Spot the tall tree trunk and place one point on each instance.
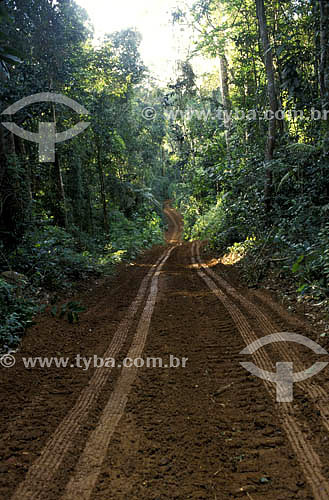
(89, 182)
(268, 60)
(58, 178)
(12, 206)
(324, 67)
(57, 198)
(317, 50)
(102, 190)
(2, 156)
(226, 101)
(26, 196)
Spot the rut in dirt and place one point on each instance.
(210, 430)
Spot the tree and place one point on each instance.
(226, 99)
(269, 66)
(324, 66)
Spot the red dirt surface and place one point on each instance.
(210, 430)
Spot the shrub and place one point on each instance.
(16, 314)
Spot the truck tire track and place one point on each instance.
(44, 468)
(89, 466)
(307, 457)
(316, 393)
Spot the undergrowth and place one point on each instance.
(54, 260)
(292, 242)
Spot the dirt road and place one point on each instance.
(209, 430)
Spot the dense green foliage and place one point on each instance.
(16, 314)
(270, 206)
(100, 201)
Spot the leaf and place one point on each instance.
(279, 50)
(71, 305)
(296, 265)
(4, 72)
(284, 178)
(264, 480)
(79, 309)
(42, 308)
(72, 317)
(53, 311)
(10, 58)
(4, 16)
(302, 289)
(63, 312)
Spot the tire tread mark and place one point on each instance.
(306, 455)
(43, 470)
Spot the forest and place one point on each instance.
(242, 151)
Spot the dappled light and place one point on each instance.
(164, 249)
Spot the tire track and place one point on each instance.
(176, 236)
(43, 470)
(213, 426)
(89, 466)
(315, 392)
(307, 457)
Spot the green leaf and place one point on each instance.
(10, 58)
(297, 264)
(303, 288)
(53, 311)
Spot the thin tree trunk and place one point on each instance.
(58, 199)
(102, 191)
(26, 194)
(317, 49)
(60, 184)
(268, 60)
(324, 67)
(256, 82)
(226, 101)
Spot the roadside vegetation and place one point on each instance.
(255, 187)
(99, 203)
